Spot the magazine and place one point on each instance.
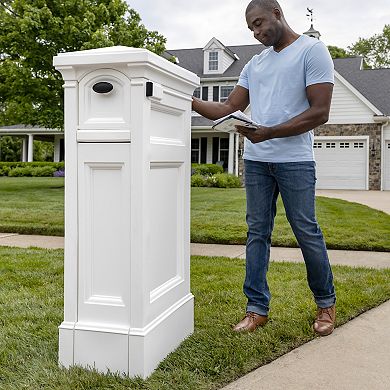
(229, 122)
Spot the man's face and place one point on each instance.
(266, 25)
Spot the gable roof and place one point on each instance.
(373, 84)
(192, 59)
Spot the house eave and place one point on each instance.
(213, 79)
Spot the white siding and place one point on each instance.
(347, 108)
(227, 60)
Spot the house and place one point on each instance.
(352, 149)
(29, 133)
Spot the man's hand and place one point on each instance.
(255, 134)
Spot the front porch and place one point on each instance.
(29, 133)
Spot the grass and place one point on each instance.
(218, 216)
(35, 206)
(32, 205)
(31, 285)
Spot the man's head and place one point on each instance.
(265, 18)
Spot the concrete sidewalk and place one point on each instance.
(355, 357)
(340, 257)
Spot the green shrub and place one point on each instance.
(4, 171)
(36, 168)
(226, 180)
(198, 181)
(43, 171)
(220, 180)
(206, 169)
(20, 171)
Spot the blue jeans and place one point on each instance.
(296, 183)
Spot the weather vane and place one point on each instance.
(310, 14)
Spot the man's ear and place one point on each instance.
(277, 13)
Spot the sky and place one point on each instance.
(192, 23)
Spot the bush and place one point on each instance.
(226, 180)
(4, 171)
(198, 181)
(20, 171)
(59, 173)
(206, 169)
(36, 168)
(220, 180)
(43, 171)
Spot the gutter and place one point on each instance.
(381, 119)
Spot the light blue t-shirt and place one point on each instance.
(277, 91)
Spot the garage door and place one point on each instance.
(386, 178)
(341, 163)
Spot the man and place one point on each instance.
(289, 87)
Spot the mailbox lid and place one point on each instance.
(115, 55)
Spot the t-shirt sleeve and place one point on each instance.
(243, 79)
(319, 65)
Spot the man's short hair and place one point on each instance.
(268, 5)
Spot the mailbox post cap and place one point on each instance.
(114, 55)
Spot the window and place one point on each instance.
(317, 145)
(358, 145)
(213, 60)
(195, 150)
(197, 93)
(225, 92)
(224, 151)
(344, 145)
(330, 145)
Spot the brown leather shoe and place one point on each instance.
(324, 323)
(250, 322)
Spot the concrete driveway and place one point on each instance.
(379, 200)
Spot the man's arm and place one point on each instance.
(319, 97)
(237, 100)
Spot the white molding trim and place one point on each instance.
(341, 137)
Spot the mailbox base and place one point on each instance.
(132, 352)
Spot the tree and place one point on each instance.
(375, 50)
(337, 52)
(10, 148)
(33, 31)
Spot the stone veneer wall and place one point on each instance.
(374, 145)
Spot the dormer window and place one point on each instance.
(213, 60)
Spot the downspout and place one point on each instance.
(384, 120)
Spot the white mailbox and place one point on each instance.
(127, 300)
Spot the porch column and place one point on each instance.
(30, 152)
(24, 149)
(231, 152)
(236, 139)
(56, 148)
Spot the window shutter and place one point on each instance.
(205, 93)
(216, 93)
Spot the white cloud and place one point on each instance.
(188, 24)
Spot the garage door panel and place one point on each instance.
(341, 164)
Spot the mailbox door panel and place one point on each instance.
(104, 101)
(104, 224)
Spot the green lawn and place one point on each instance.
(218, 216)
(35, 206)
(31, 301)
(32, 205)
